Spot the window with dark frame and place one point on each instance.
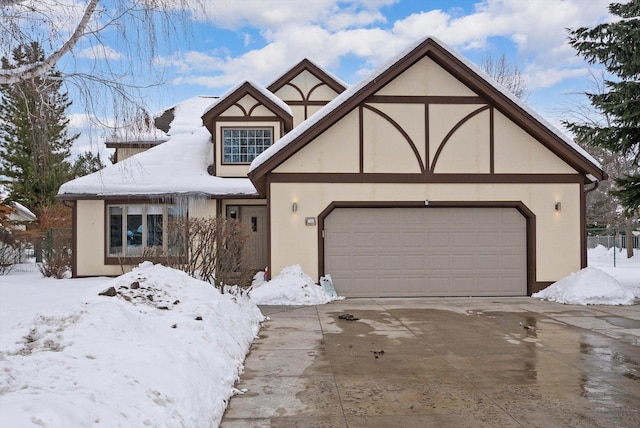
(243, 145)
(132, 228)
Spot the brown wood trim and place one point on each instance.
(425, 99)
(316, 86)
(306, 103)
(361, 137)
(220, 148)
(309, 66)
(452, 131)
(269, 261)
(430, 48)
(298, 90)
(74, 239)
(248, 119)
(492, 162)
(583, 228)
(399, 129)
(529, 216)
(293, 177)
(514, 112)
(242, 109)
(210, 117)
(427, 161)
(540, 285)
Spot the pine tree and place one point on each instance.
(34, 143)
(615, 45)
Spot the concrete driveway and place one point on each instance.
(494, 362)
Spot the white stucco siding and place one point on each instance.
(90, 240)
(91, 233)
(558, 233)
(335, 150)
(426, 78)
(518, 152)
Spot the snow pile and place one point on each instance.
(602, 256)
(290, 287)
(163, 350)
(590, 286)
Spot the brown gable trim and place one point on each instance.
(459, 70)
(420, 99)
(400, 130)
(452, 131)
(292, 177)
(514, 112)
(246, 88)
(307, 65)
(307, 103)
(530, 218)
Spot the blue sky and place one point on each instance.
(236, 40)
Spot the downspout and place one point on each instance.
(596, 184)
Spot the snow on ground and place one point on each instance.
(601, 283)
(290, 287)
(165, 351)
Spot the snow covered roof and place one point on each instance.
(259, 88)
(185, 116)
(365, 87)
(17, 211)
(177, 167)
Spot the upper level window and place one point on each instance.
(242, 145)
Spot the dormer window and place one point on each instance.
(243, 145)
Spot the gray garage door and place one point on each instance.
(426, 251)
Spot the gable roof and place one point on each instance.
(263, 96)
(324, 76)
(458, 67)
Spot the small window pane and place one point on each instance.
(134, 230)
(245, 145)
(154, 225)
(115, 231)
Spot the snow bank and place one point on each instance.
(601, 256)
(164, 351)
(290, 287)
(590, 286)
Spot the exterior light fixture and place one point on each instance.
(558, 206)
(294, 207)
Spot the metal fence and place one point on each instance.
(610, 238)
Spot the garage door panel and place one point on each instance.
(426, 251)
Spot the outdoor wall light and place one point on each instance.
(558, 206)
(294, 207)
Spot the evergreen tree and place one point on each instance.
(34, 144)
(86, 163)
(615, 45)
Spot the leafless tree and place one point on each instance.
(603, 209)
(506, 73)
(121, 37)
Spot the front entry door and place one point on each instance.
(255, 219)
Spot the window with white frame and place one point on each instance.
(133, 229)
(243, 145)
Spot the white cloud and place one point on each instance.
(329, 31)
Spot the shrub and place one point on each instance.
(212, 249)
